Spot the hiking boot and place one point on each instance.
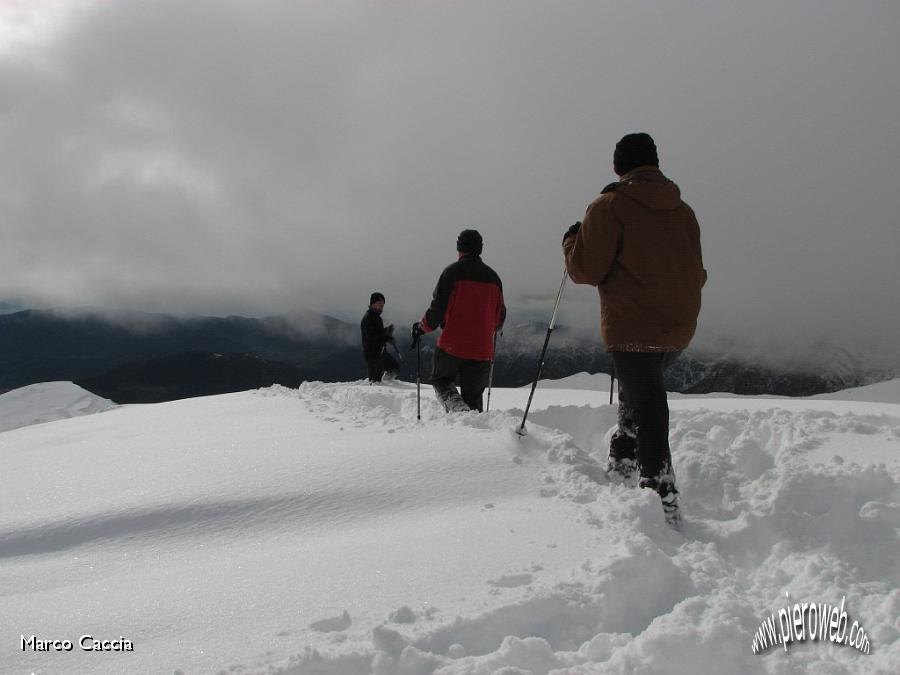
(622, 470)
(668, 494)
(449, 397)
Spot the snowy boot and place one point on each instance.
(449, 397)
(622, 470)
(665, 487)
(622, 465)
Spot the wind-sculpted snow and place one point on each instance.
(46, 402)
(326, 530)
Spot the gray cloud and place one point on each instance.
(233, 157)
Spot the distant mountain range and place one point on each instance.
(7, 307)
(136, 357)
(723, 368)
(190, 374)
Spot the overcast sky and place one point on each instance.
(257, 157)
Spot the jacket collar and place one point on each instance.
(646, 173)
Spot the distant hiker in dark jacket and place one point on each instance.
(640, 245)
(374, 338)
(467, 305)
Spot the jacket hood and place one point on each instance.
(649, 187)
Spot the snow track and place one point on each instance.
(340, 535)
(762, 519)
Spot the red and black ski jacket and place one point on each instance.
(468, 306)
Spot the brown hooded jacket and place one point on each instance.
(640, 245)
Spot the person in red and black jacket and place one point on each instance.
(468, 306)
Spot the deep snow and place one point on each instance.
(325, 530)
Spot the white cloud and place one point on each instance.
(260, 157)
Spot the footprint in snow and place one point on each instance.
(334, 624)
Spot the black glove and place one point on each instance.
(417, 333)
(572, 231)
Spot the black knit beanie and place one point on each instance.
(375, 297)
(632, 151)
(469, 241)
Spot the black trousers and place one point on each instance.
(375, 366)
(472, 375)
(643, 432)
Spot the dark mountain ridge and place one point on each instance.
(133, 357)
(41, 346)
(188, 375)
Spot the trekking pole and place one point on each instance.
(612, 380)
(491, 374)
(418, 379)
(540, 366)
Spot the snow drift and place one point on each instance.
(47, 401)
(325, 530)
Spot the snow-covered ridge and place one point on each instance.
(46, 402)
(326, 530)
(881, 392)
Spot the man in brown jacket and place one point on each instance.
(640, 245)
